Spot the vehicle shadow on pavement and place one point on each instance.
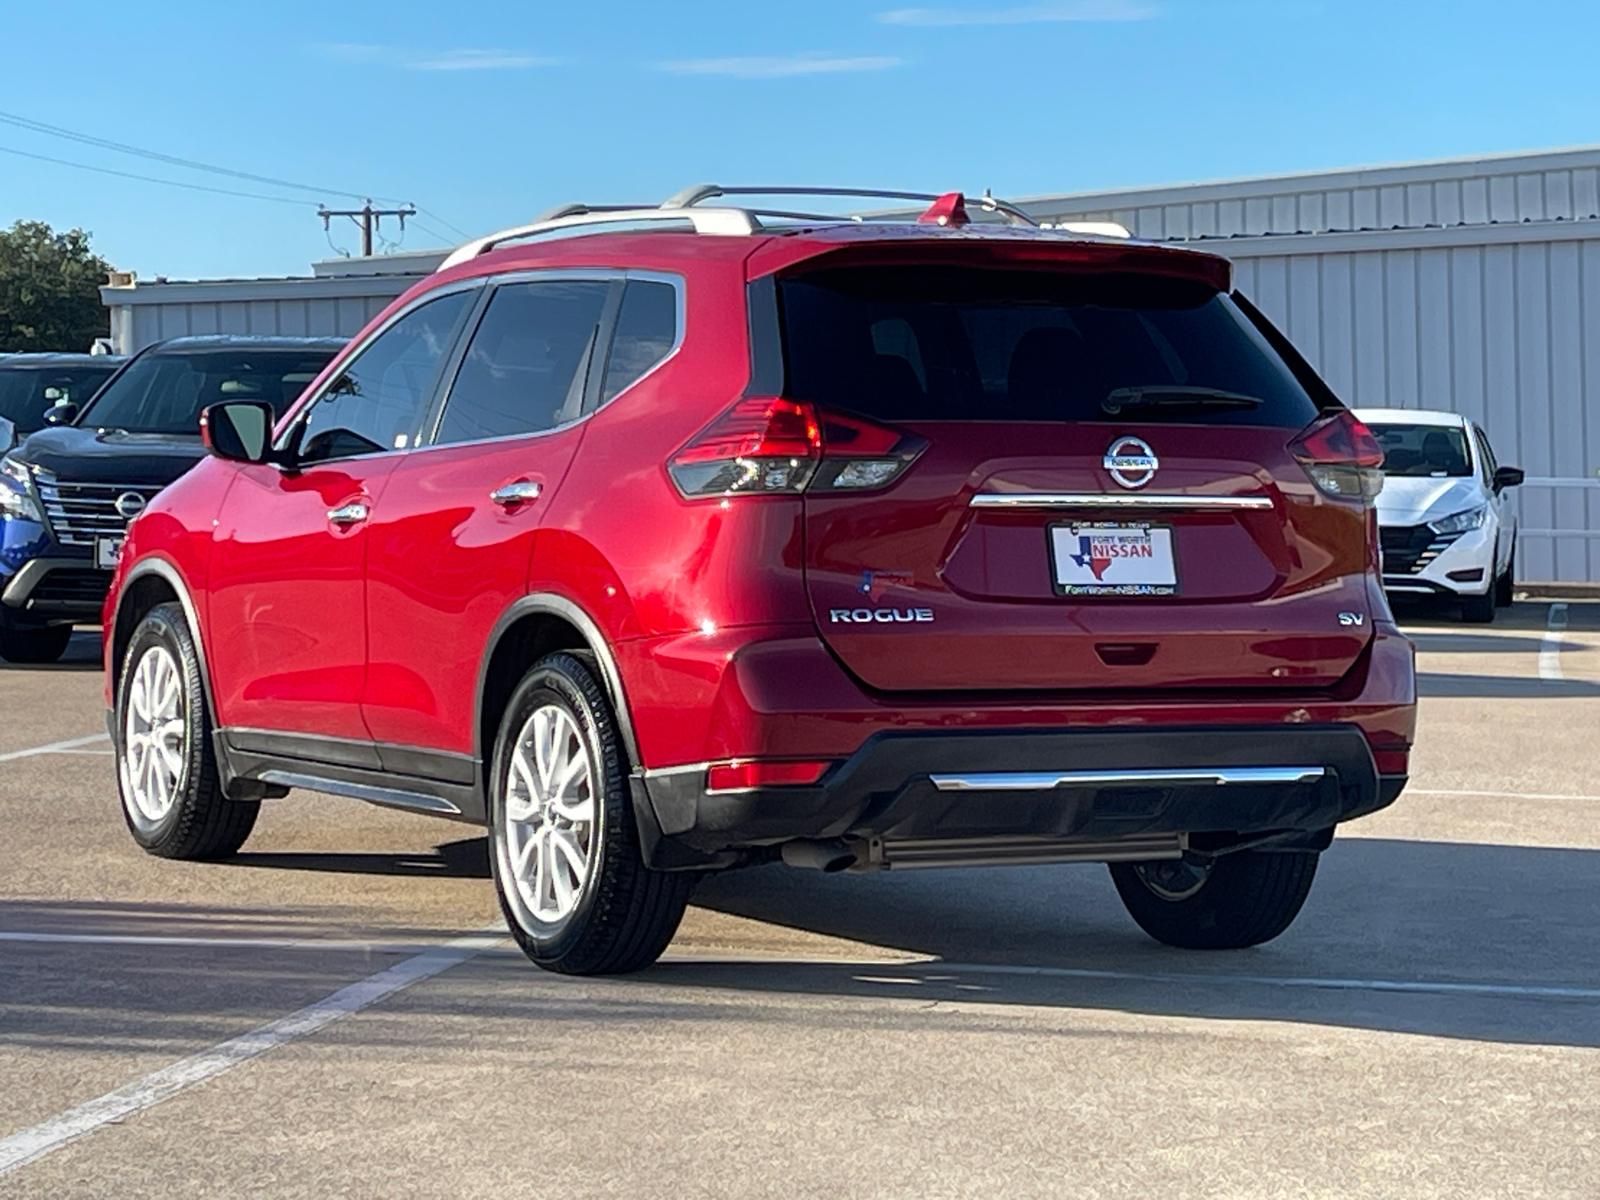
(83, 654)
(465, 859)
(1497, 929)
(1432, 683)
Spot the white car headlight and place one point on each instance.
(1462, 522)
(16, 492)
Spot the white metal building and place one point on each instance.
(338, 298)
(1469, 285)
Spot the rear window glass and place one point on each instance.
(968, 344)
(1424, 450)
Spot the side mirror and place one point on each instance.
(238, 430)
(1505, 477)
(61, 414)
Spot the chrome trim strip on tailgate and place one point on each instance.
(1037, 781)
(1101, 500)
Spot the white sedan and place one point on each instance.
(1445, 521)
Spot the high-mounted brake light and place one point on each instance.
(1342, 457)
(774, 446)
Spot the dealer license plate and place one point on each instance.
(106, 552)
(1112, 559)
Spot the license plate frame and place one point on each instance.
(107, 550)
(1147, 565)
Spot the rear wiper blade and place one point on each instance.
(1175, 396)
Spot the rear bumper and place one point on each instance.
(906, 793)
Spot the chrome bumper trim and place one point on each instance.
(1106, 500)
(1041, 781)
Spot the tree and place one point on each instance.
(50, 289)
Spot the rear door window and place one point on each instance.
(968, 344)
(1424, 450)
(527, 366)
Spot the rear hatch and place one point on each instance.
(1107, 494)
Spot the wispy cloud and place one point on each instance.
(1027, 14)
(433, 60)
(780, 66)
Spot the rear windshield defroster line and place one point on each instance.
(932, 343)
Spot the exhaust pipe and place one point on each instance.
(829, 856)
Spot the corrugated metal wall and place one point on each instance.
(342, 317)
(1471, 287)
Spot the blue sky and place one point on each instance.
(486, 113)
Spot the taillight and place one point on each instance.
(772, 446)
(1342, 457)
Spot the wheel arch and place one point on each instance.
(532, 627)
(151, 582)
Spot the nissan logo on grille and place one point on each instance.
(1131, 462)
(130, 505)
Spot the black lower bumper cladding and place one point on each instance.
(896, 788)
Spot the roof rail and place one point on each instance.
(723, 222)
(726, 221)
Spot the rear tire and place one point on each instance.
(564, 843)
(1241, 900)
(1478, 610)
(45, 645)
(172, 796)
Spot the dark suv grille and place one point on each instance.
(71, 586)
(1407, 549)
(81, 512)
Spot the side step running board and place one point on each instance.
(388, 797)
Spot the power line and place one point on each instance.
(368, 219)
(156, 156)
(193, 187)
(428, 212)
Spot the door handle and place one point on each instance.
(522, 491)
(349, 514)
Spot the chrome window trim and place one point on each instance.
(568, 275)
(1108, 500)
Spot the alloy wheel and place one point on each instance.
(155, 735)
(549, 831)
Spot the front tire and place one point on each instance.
(573, 885)
(1230, 902)
(33, 646)
(1505, 584)
(172, 796)
(1478, 610)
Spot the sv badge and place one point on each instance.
(1352, 619)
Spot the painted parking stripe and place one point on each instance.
(1411, 791)
(1550, 646)
(55, 747)
(1188, 978)
(46, 938)
(31, 1144)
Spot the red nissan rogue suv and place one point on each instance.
(667, 540)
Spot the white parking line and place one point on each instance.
(1550, 647)
(56, 747)
(1411, 791)
(212, 943)
(22, 1148)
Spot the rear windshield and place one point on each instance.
(26, 392)
(973, 344)
(1424, 450)
(164, 392)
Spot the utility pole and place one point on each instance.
(368, 218)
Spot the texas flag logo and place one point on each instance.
(1086, 556)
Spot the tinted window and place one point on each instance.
(1486, 460)
(647, 327)
(22, 391)
(378, 401)
(1424, 450)
(940, 343)
(528, 361)
(163, 390)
